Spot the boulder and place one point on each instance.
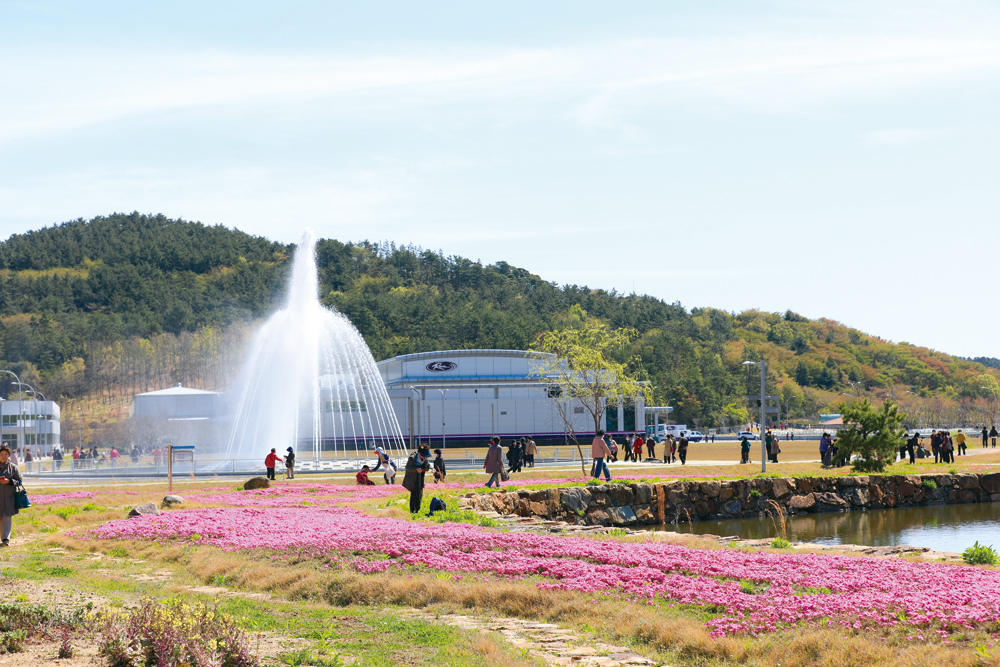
(622, 494)
(966, 496)
(576, 499)
(256, 483)
(643, 493)
(171, 500)
(779, 488)
(802, 502)
(858, 496)
(725, 494)
(644, 513)
(597, 516)
(968, 482)
(990, 483)
(733, 506)
(622, 516)
(907, 489)
(711, 489)
(832, 500)
(705, 507)
(146, 509)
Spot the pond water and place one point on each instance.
(939, 527)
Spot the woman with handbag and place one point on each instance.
(10, 479)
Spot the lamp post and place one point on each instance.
(763, 402)
(444, 436)
(34, 401)
(853, 388)
(19, 422)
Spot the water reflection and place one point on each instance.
(940, 527)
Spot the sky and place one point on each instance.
(836, 159)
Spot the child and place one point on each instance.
(439, 467)
(362, 477)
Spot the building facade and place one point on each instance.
(463, 397)
(32, 424)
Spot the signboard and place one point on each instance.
(441, 366)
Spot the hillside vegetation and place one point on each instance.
(101, 309)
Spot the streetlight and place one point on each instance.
(19, 422)
(853, 388)
(444, 440)
(763, 402)
(34, 402)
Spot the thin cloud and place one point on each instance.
(899, 137)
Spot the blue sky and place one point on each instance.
(838, 159)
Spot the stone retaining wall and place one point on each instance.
(680, 501)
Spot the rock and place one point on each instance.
(711, 489)
(576, 499)
(146, 509)
(622, 494)
(779, 488)
(990, 483)
(802, 502)
(256, 483)
(725, 494)
(907, 489)
(645, 514)
(968, 482)
(643, 493)
(704, 507)
(858, 496)
(538, 509)
(676, 497)
(171, 500)
(622, 515)
(597, 516)
(832, 500)
(845, 481)
(733, 506)
(966, 496)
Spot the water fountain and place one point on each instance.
(310, 381)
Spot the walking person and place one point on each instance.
(493, 464)
(744, 450)
(269, 463)
(960, 441)
(767, 442)
(440, 470)
(911, 447)
(936, 445)
(514, 457)
(10, 477)
(599, 451)
(637, 448)
(986, 435)
(612, 447)
(290, 464)
(824, 450)
(417, 463)
(627, 448)
(993, 436)
(530, 449)
(651, 447)
(949, 448)
(28, 459)
(682, 449)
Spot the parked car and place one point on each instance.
(694, 436)
(749, 435)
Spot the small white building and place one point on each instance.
(33, 424)
(177, 402)
(467, 396)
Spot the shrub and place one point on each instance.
(173, 634)
(755, 494)
(980, 555)
(929, 484)
(780, 543)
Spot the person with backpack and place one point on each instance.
(493, 465)
(599, 451)
(417, 464)
(439, 467)
(269, 463)
(682, 449)
(290, 464)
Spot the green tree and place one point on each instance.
(872, 433)
(586, 370)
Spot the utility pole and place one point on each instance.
(763, 412)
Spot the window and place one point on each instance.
(577, 411)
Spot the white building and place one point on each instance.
(183, 415)
(30, 423)
(467, 396)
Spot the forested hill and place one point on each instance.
(128, 303)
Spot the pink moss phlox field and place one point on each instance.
(805, 589)
(52, 498)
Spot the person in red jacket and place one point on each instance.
(269, 462)
(637, 448)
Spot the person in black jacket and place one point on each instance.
(290, 464)
(439, 468)
(417, 463)
(993, 435)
